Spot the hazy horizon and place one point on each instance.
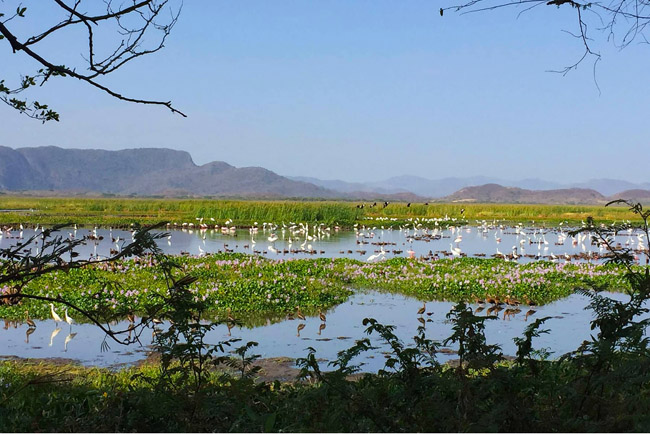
(368, 181)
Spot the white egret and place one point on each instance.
(55, 316)
(67, 317)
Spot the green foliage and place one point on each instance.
(469, 334)
(259, 286)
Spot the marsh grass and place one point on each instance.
(124, 211)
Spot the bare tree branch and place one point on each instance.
(628, 18)
(134, 23)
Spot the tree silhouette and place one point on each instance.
(621, 22)
(113, 35)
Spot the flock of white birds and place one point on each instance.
(509, 242)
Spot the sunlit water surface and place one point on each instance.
(569, 326)
(527, 244)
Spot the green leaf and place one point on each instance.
(269, 422)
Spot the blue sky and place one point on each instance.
(361, 90)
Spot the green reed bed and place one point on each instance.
(120, 212)
(252, 284)
(124, 211)
(527, 213)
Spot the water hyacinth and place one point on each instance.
(252, 284)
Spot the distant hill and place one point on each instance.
(165, 172)
(635, 195)
(150, 171)
(500, 194)
(439, 188)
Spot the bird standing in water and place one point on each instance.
(299, 313)
(55, 316)
(30, 323)
(68, 319)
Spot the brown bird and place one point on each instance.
(300, 327)
(511, 301)
(29, 321)
(230, 317)
(322, 316)
(529, 302)
(422, 309)
(299, 314)
(321, 327)
(509, 313)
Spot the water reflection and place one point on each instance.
(68, 339)
(53, 335)
(569, 326)
(29, 331)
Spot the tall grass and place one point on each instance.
(123, 211)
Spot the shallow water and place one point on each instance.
(569, 325)
(528, 244)
(568, 328)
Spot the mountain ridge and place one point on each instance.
(168, 172)
(495, 193)
(442, 187)
(141, 171)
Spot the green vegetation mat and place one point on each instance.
(255, 285)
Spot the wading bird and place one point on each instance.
(31, 324)
(230, 317)
(55, 316)
(299, 313)
(68, 319)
